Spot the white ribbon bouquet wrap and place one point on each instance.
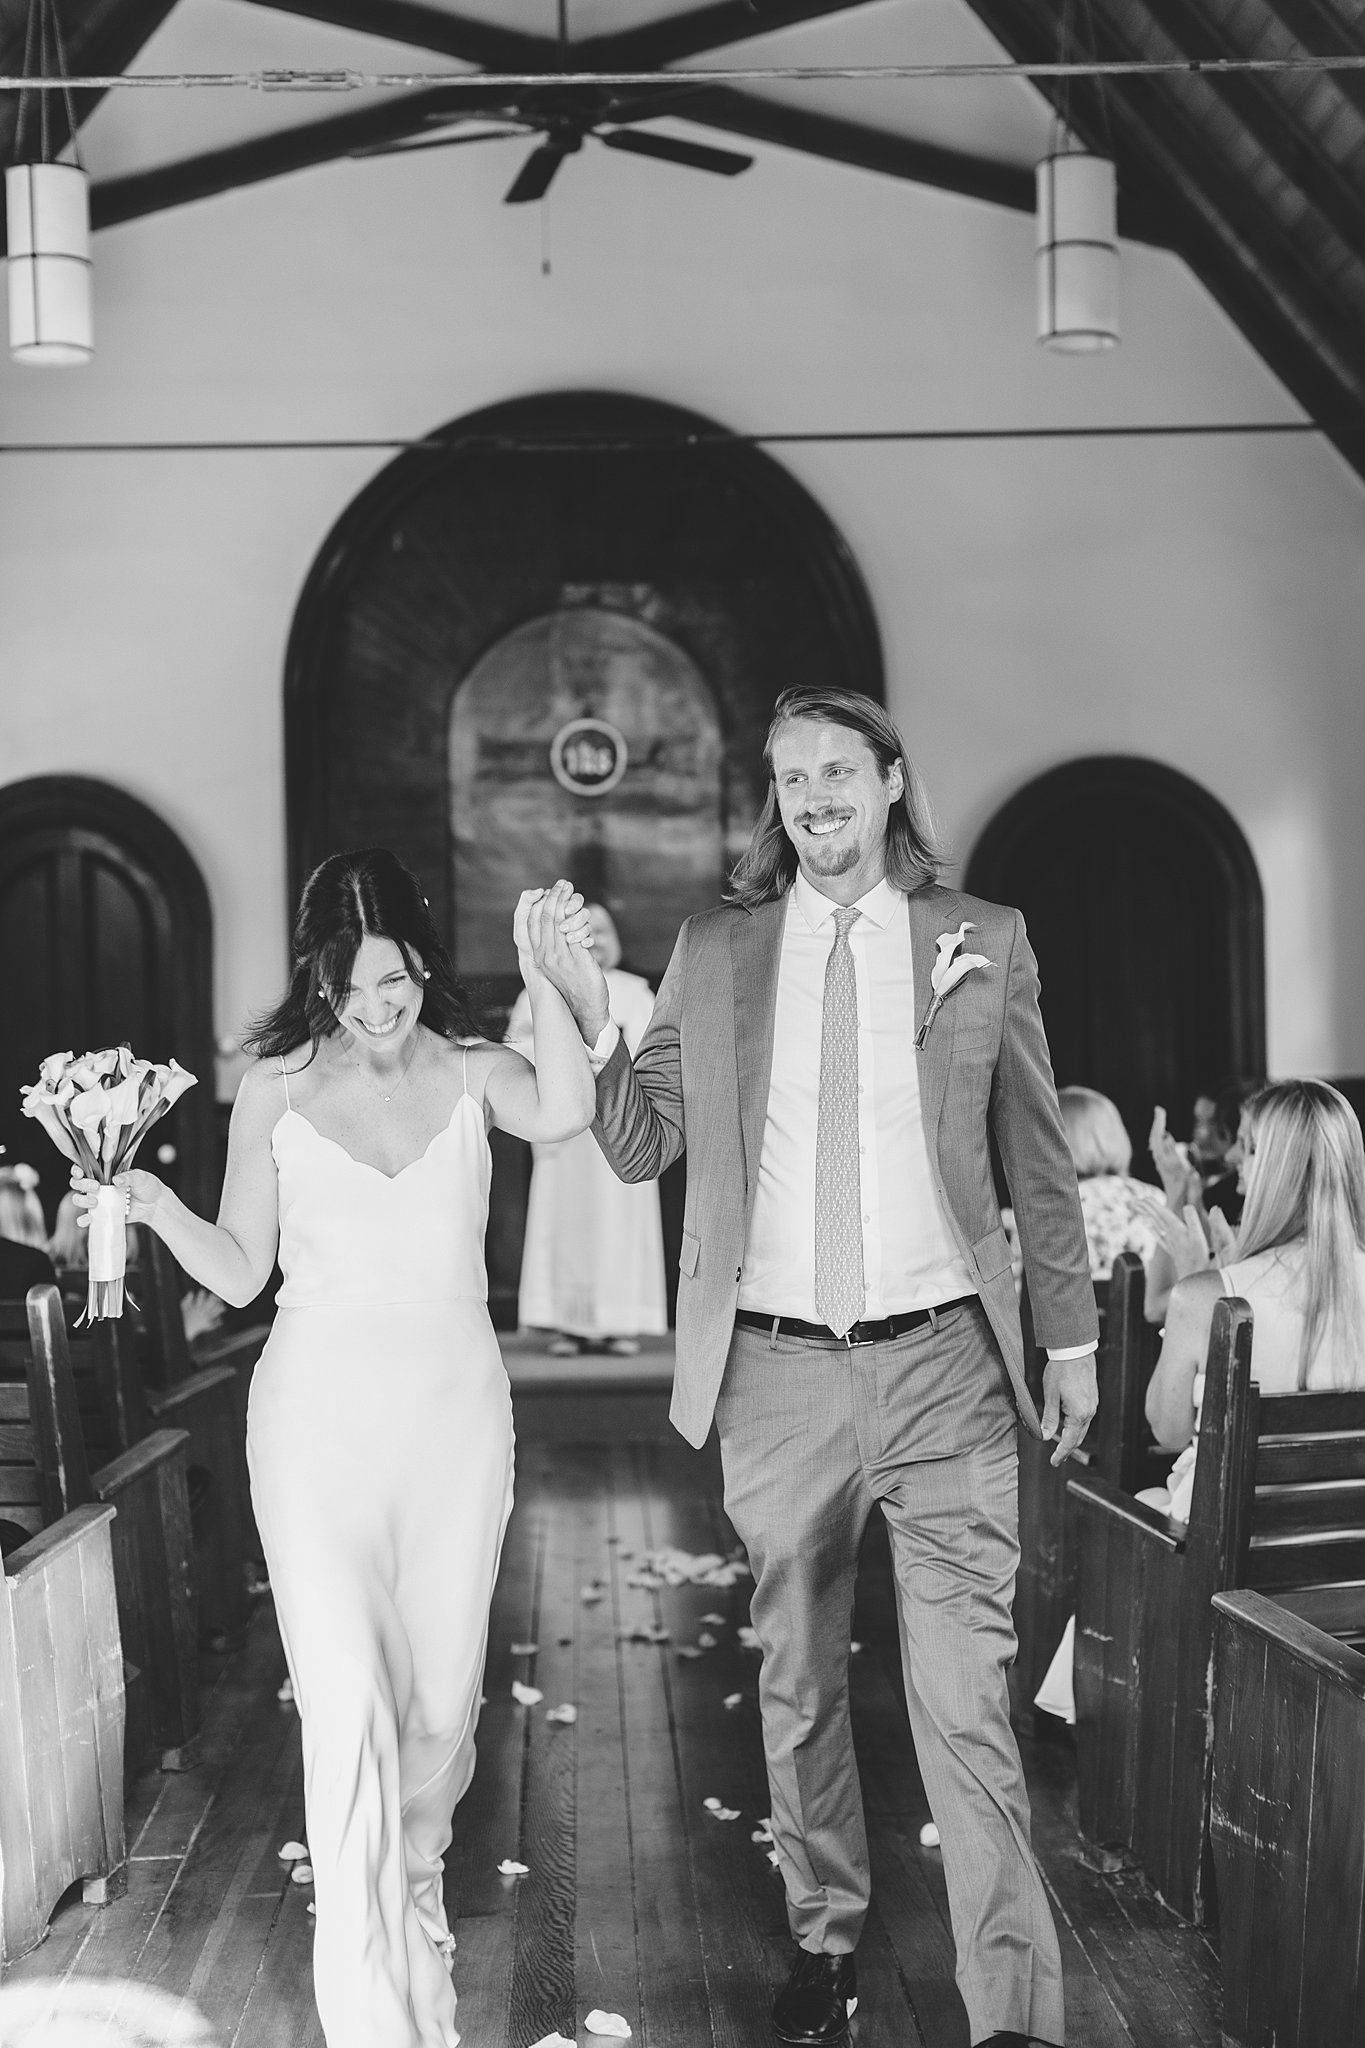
(97, 1110)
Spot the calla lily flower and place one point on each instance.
(54, 1067)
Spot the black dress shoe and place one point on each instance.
(813, 2007)
(1005, 2040)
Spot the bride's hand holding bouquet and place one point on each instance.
(97, 1109)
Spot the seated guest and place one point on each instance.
(23, 1266)
(68, 1245)
(21, 1213)
(1115, 1206)
(1299, 1259)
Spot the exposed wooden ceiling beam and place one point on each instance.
(1248, 258)
(317, 142)
(423, 27)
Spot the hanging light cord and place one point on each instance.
(43, 21)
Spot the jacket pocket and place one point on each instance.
(992, 1255)
(691, 1251)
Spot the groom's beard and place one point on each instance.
(834, 857)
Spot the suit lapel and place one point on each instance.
(931, 911)
(755, 949)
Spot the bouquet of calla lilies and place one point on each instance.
(97, 1110)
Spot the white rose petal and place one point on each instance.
(293, 1852)
(565, 1713)
(311, 1908)
(286, 1691)
(687, 1650)
(773, 1858)
(929, 1837)
(713, 1621)
(748, 1638)
(590, 1595)
(302, 1873)
(509, 1867)
(706, 1641)
(732, 1700)
(526, 1695)
(855, 1649)
(556, 2041)
(525, 1649)
(609, 2023)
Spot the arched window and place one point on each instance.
(1144, 908)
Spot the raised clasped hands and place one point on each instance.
(553, 937)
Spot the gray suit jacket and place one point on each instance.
(699, 1082)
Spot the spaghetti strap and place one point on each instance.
(464, 1070)
(284, 1076)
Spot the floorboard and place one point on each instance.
(637, 1898)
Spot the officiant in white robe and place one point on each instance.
(592, 1269)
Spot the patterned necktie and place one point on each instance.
(839, 1292)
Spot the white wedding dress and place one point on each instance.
(380, 1445)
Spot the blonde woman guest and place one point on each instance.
(1299, 1259)
(593, 1265)
(1116, 1208)
(21, 1213)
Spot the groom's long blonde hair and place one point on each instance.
(767, 867)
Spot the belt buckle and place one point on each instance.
(856, 1343)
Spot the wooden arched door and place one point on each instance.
(576, 560)
(1144, 907)
(106, 935)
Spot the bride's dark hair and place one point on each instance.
(354, 896)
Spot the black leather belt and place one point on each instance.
(858, 1333)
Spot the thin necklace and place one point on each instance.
(401, 1078)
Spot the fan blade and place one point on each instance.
(533, 179)
(411, 146)
(726, 163)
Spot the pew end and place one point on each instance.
(61, 1726)
(1285, 1822)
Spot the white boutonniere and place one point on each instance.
(951, 967)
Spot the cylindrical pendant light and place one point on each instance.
(1078, 252)
(47, 209)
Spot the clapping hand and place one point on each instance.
(1179, 1179)
(1192, 1242)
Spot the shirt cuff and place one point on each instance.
(608, 1038)
(1071, 1351)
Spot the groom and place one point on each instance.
(847, 1314)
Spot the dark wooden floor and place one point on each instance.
(638, 1900)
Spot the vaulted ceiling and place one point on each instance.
(1257, 181)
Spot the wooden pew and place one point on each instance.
(1286, 1825)
(61, 1674)
(203, 1400)
(1279, 1506)
(151, 1540)
(1116, 1448)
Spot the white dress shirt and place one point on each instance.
(910, 1259)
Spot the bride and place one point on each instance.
(380, 1425)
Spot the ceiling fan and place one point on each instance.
(565, 125)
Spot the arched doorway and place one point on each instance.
(1144, 907)
(579, 556)
(107, 935)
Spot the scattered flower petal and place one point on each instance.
(301, 1873)
(706, 1641)
(525, 1649)
(748, 1638)
(929, 1837)
(590, 1595)
(286, 1691)
(687, 1650)
(855, 1649)
(719, 1812)
(713, 1620)
(556, 2041)
(526, 1695)
(763, 1832)
(732, 1700)
(310, 1908)
(509, 1867)
(773, 1858)
(293, 1852)
(610, 2023)
(566, 1713)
